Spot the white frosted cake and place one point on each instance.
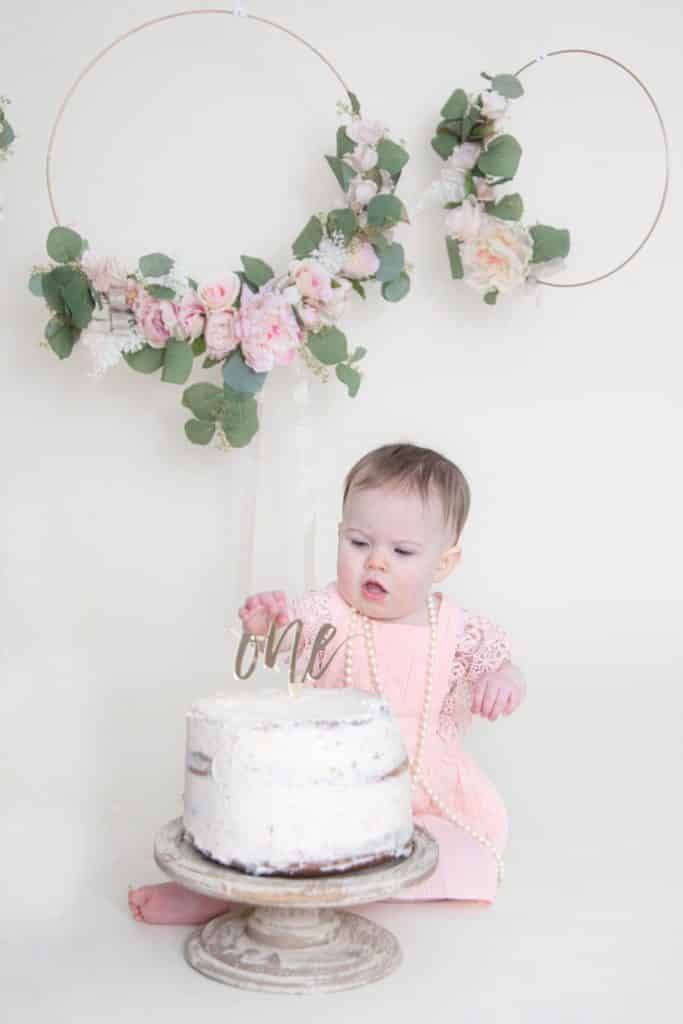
(296, 785)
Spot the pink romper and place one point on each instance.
(468, 647)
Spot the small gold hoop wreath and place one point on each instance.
(488, 246)
(250, 320)
(665, 189)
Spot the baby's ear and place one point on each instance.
(447, 563)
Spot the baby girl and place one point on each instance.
(403, 512)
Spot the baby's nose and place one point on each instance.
(375, 561)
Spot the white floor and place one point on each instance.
(587, 925)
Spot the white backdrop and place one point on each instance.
(121, 542)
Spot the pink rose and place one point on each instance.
(190, 317)
(157, 320)
(336, 307)
(267, 330)
(220, 294)
(367, 132)
(360, 192)
(312, 280)
(465, 221)
(103, 272)
(219, 332)
(362, 261)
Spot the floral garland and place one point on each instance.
(487, 245)
(250, 320)
(7, 135)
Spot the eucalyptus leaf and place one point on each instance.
(508, 86)
(240, 377)
(549, 243)
(328, 345)
(392, 261)
(343, 220)
(64, 245)
(309, 239)
(178, 358)
(256, 271)
(344, 143)
(155, 264)
(491, 297)
(501, 157)
(456, 105)
(160, 291)
(347, 375)
(35, 285)
(78, 300)
(240, 418)
(385, 210)
(54, 282)
(358, 287)
(358, 354)
(7, 136)
(146, 359)
(391, 157)
(343, 172)
(355, 105)
(200, 431)
(199, 346)
(209, 362)
(193, 284)
(204, 400)
(394, 291)
(508, 208)
(444, 144)
(61, 337)
(453, 247)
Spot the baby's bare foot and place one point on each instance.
(170, 903)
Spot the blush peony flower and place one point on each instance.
(267, 329)
(361, 261)
(190, 317)
(363, 158)
(220, 332)
(365, 132)
(156, 320)
(465, 221)
(103, 272)
(498, 257)
(336, 307)
(311, 279)
(221, 293)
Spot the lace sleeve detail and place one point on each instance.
(313, 608)
(483, 647)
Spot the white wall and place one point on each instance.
(120, 540)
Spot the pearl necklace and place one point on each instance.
(417, 777)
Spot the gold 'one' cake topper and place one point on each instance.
(323, 637)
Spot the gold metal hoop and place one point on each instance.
(604, 56)
(234, 12)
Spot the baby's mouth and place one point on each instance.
(373, 590)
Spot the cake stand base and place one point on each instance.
(287, 934)
(272, 949)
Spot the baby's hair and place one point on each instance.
(419, 469)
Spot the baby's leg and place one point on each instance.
(170, 903)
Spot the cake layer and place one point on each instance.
(276, 784)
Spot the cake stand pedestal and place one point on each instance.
(288, 936)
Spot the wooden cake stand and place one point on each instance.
(289, 937)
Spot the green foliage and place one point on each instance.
(455, 106)
(204, 400)
(454, 259)
(240, 417)
(549, 243)
(200, 431)
(391, 157)
(384, 211)
(309, 239)
(178, 358)
(240, 377)
(256, 271)
(394, 291)
(155, 264)
(328, 345)
(508, 86)
(61, 337)
(344, 143)
(501, 157)
(508, 208)
(343, 172)
(146, 359)
(343, 220)
(35, 285)
(491, 297)
(160, 291)
(443, 143)
(348, 376)
(392, 261)
(64, 245)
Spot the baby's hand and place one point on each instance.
(498, 693)
(259, 610)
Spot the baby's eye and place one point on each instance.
(400, 551)
(358, 543)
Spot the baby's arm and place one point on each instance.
(498, 693)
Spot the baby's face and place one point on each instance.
(391, 544)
